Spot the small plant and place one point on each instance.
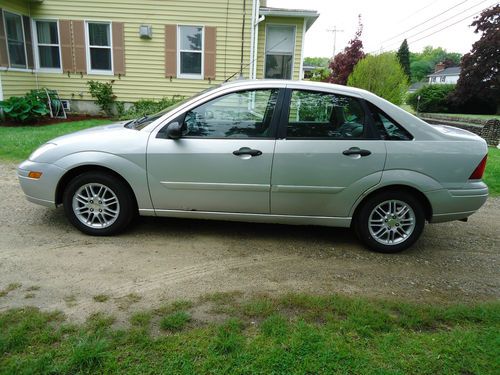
(175, 321)
(120, 109)
(145, 107)
(9, 288)
(101, 298)
(27, 108)
(102, 92)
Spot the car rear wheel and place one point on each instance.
(98, 204)
(390, 221)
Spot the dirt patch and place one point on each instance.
(161, 260)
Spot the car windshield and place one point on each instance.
(142, 122)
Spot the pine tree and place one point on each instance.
(403, 55)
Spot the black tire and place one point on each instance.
(361, 221)
(125, 203)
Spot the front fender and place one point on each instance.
(132, 169)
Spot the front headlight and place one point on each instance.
(41, 150)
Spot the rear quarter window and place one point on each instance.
(386, 126)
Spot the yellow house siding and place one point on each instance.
(144, 59)
(299, 29)
(14, 82)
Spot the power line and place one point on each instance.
(434, 2)
(440, 22)
(423, 23)
(453, 24)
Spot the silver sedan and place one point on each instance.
(267, 151)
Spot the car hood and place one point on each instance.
(111, 139)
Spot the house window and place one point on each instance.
(443, 79)
(280, 43)
(190, 54)
(47, 44)
(99, 56)
(15, 40)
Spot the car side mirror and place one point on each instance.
(174, 130)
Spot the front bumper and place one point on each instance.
(449, 205)
(43, 190)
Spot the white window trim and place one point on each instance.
(294, 47)
(87, 49)
(202, 51)
(25, 69)
(34, 38)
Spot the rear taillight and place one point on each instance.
(478, 172)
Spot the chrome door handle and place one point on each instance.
(357, 151)
(247, 151)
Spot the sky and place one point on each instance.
(388, 22)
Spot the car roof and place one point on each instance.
(295, 83)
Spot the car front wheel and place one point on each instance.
(390, 222)
(98, 204)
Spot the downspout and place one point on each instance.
(301, 67)
(252, 40)
(243, 36)
(255, 26)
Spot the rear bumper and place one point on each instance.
(449, 205)
(43, 190)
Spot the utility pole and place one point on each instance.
(334, 31)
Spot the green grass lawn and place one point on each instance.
(492, 172)
(293, 334)
(18, 142)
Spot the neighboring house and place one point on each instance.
(444, 75)
(150, 48)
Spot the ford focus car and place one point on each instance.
(267, 151)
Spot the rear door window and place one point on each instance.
(324, 115)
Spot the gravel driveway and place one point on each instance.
(160, 260)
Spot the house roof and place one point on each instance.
(309, 16)
(451, 71)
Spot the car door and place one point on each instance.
(222, 163)
(326, 155)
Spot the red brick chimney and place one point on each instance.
(439, 66)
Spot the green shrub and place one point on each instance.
(102, 92)
(145, 107)
(433, 98)
(24, 109)
(381, 74)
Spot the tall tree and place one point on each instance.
(343, 63)
(479, 77)
(381, 74)
(423, 63)
(403, 56)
